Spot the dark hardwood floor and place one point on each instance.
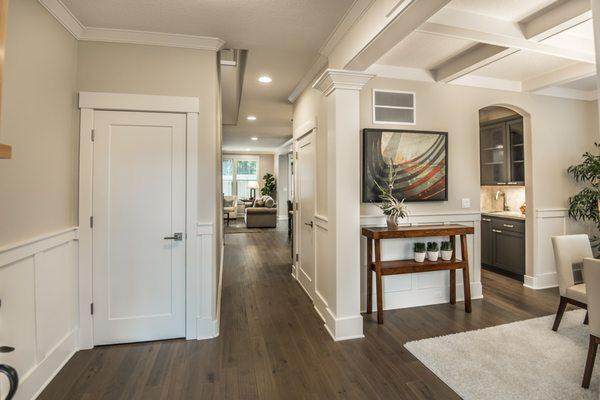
(273, 345)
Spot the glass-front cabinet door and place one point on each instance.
(517, 154)
(493, 154)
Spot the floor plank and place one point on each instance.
(273, 345)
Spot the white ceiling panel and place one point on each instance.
(509, 10)
(522, 66)
(579, 37)
(423, 50)
(585, 84)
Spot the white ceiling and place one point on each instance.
(283, 38)
(508, 10)
(423, 52)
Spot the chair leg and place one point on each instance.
(559, 313)
(589, 364)
(586, 321)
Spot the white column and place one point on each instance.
(596, 20)
(342, 91)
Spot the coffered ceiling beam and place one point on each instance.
(484, 29)
(470, 60)
(382, 27)
(556, 18)
(560, 77)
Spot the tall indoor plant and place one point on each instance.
(584, 205)
(270, 186)
(393, 208)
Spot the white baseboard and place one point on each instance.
(543, 281)
(35, 381)
(424, 297)
(207, 328)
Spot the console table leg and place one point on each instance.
(379, 282)
(369, 276)
(466, 277)
(453, 273)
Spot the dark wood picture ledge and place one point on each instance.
(5, 151)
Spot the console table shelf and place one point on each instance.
(397, 267)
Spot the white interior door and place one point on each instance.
(306, 207)
(138, 203)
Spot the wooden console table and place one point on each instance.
(396, 267)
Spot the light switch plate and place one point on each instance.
(466, 203)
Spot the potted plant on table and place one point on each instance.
(419, 251)
(433, 251)
(446, 250)
(393, 208)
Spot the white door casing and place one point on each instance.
(139, 199)
(306, 194)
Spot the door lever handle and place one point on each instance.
(176, 236)
(309, 224)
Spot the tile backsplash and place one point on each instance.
(515, 197)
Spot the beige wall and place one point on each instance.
(561, 130)
(310, 105)
(38, 186)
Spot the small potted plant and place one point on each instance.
(446, 250)
(393, 208)
(433, 251)
(419, 250)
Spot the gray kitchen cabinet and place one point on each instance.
(503, 244)
(502, 153)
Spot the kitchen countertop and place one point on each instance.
(504, 214)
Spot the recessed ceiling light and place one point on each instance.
(251, 118)
(254, 138)
(265, 79)
(247, 149)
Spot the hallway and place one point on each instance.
(274, 346)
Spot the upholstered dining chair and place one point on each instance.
(569, 252)
(591, 273)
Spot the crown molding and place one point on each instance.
(334, 79)
(83, 33)
(356, 11)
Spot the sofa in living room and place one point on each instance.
(262, 214)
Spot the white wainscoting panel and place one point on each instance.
(324, 270)
(206, 322)
(39, 312)
(548, 223)
(411, 290)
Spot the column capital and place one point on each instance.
(333, 79)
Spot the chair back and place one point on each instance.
(231, 198)
(591, 274)
(569, 250)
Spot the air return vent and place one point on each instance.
(394, 107)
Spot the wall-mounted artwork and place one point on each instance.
(420, 159)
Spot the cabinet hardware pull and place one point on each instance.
(508, 226)
(486, 219)
(496, 230)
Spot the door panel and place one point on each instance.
(486, 241)
(306, 196)
(138, 201)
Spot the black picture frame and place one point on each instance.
(372, 165)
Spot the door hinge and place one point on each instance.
(297, 156)
(93, 134)
(91, 222)
(297, 257)
(92, 308)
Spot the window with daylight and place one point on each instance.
(238, 172)
(394, 107)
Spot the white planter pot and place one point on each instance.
(420, 257)
(433, 255)
(446, 255)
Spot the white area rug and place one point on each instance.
(521, 360)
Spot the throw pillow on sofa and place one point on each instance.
(259, 202)
(269, 202)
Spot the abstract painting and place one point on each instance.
(420, 159)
